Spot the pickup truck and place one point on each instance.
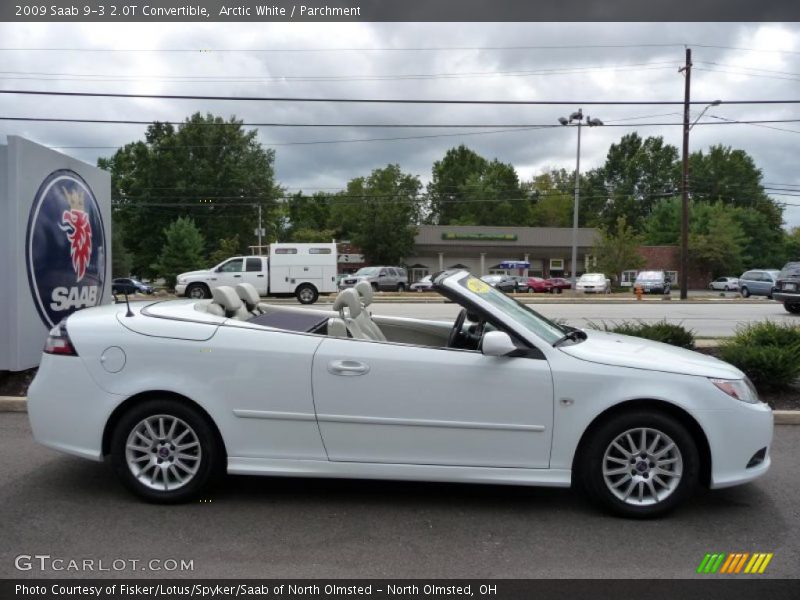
(302, 270)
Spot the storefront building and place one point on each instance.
(481, 250)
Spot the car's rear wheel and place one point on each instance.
(165, 451)
(727, 289)
(792, 307)
(401, 287)
(198, 291)
(640, 464)
(306, 294)
(745, 292)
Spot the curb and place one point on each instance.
(20, 404)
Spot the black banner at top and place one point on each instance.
(397, 10)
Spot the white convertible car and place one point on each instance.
(177, 392)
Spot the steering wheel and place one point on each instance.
(455, 333)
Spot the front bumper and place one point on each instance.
(735, 436)
(791, 297)
(180, 289)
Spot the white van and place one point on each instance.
(305, 270)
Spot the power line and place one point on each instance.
(381, 100)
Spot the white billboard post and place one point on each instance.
(55, 245)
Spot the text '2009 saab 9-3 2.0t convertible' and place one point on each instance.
(177, 392)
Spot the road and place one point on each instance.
(271, 527)
(713, 319)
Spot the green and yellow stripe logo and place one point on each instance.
(735, 563)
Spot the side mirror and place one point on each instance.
(497, 343)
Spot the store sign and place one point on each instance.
(480, 237)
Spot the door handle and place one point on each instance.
(237, 275)
(347, 367)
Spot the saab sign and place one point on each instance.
(65, 247)
(55, 245)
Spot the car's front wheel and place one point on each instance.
(744, 292)
(165, 451)
(198, 291)
(640, 464)
(306, 294)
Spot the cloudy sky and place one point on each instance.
(395, 60)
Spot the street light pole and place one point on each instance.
(578, 117)
(575, 209)
(684, 275)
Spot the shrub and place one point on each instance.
(662, 331)
(768, 353)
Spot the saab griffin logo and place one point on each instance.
(65, 247)
(735, 563)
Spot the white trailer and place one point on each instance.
(304, 270)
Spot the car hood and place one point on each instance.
(193, 273)
(637, 353)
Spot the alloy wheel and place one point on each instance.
(163, 452)
(642, 466)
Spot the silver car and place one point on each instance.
(758, 282)
(384, 279)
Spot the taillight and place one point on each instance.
(58, 341)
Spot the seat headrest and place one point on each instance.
(364, 289)
(247, 292)
(348, 298)
(227, 298)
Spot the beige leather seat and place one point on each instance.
(337, 328)
(249, 295)
(226, 297)
(364, 319)
(348, 305)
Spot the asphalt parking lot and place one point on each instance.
(271, 527)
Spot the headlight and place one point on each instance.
(738, 389)
(181, 279)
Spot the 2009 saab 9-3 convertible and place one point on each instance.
(179, 391)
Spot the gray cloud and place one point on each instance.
(331, 165)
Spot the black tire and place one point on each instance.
(744, 292)
(591, 460)
(374, 287)
(198, 291)
(559, 290)
(727, 289)
(306, 293)
(792, 307)
(401, 287)
(211, 453)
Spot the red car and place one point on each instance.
(537, 284)
(559, 283)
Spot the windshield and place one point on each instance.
(492, 278)
(790, 270)
(650, 276)
(592, 277)
(368, 271)
(520, 313)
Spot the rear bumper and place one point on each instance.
(67, 410)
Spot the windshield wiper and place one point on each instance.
(573, 334)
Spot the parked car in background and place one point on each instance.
(129, 285)
(787, 288)
(382, 279)
(559, 284)
(758, 282)
(423, 285)
(652, 282)
(593, 283)
(521, 283)
(725, 284)
(539, 285)
(504, 283)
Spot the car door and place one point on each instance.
(384, 280)
(383, 402)
(230, 272)
(255, 273)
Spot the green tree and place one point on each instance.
(618, 249)
(552, 199)
(182, 250)
(636, 175)
(450, 183)
(494, 197)
(121, 259)
(307, 214)
(312, 235)
(207, 168)
(226, 247)
(379, 213)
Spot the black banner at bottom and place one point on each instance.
(407, 589)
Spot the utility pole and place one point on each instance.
(260, 249)
(574, 265)
(684, 265)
